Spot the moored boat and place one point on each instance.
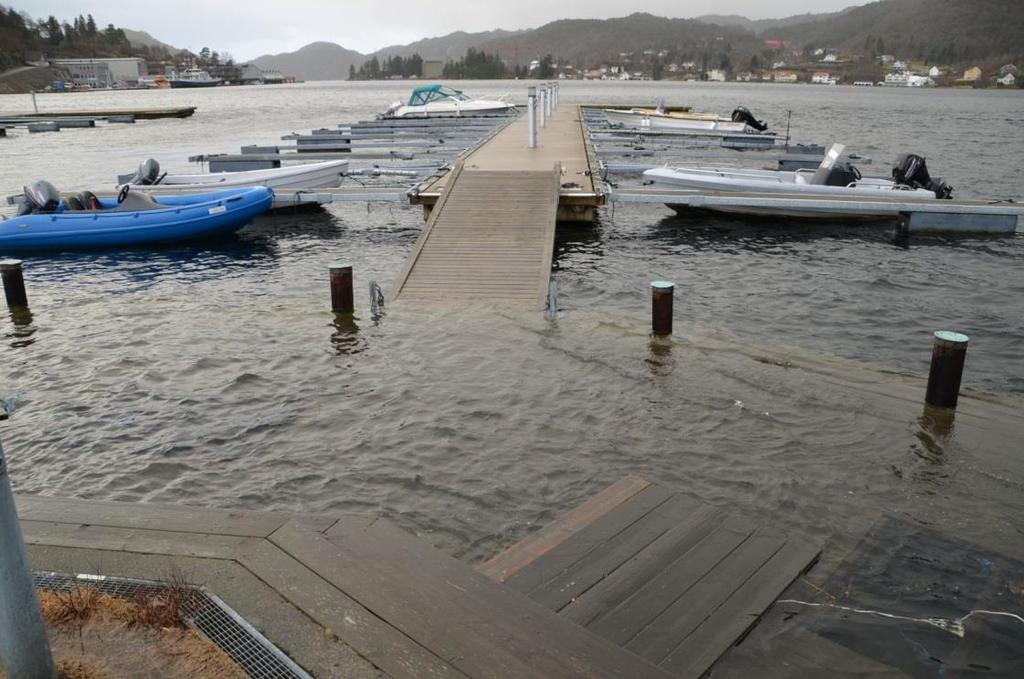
(193, 77)
(741, 121)
(910, 182)
(46, 220)
(328, 173)
(437, 100)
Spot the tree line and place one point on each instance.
(20, 35)
(474, 65)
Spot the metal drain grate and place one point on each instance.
(252, 651)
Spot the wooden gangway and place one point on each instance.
(489, 238)
(491, 226)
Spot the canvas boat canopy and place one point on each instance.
(421, 96)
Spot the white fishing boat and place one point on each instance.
(324, 174)
(910, 182)
(193, 77)
(741, 121)
(437, 100)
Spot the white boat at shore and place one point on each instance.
(911, 182)
(193, 77)
(742, 121)
(437, 100)
(326, 174)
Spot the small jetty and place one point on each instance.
(566, 602)
(99, 114)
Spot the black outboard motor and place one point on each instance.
(147, 174)
(40, 197)
(743, 115)
(911, 170)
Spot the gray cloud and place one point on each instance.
(248, 29)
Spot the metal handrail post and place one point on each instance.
(531, 103)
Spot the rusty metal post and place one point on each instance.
(341, 289)
(661, 307)
(14, 284)
(948, 355)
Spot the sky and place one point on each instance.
(248, 29)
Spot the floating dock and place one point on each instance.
(351, 596)
(100, 114)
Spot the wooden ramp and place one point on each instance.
(489, 239)
(656, 573)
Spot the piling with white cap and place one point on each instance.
(948, 355)
(662, 293)
(543, 106)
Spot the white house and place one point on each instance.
(934, 72)
(716, 75)
(830, 58)
(898, 65)
(823, 78)
(1008, 80)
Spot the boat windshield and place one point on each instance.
(431, 93)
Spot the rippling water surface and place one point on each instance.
(214, 374)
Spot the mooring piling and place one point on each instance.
(341, 289)
(948, 355)
(531, 105)
(661, 307)
(14, 284)
(24, 646)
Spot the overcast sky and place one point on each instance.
(249, 29)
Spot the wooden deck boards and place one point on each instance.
(664, 576)
(490, 237)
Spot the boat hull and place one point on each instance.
(185, 84)
(654, 121)
(312, 176)
(185, 217)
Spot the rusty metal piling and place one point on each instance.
(661, 307)
(341, 289)
(948, 355)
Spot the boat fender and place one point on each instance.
(40, 197)
(741, 114)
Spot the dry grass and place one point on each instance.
(97, 636)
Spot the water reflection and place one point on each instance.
(346, 339)
(24, 328)
(935, 432)
(659, 359)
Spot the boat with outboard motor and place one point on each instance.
(437, 100)
(325, 174)
(910, 181)
(47, 220)
(741, 121)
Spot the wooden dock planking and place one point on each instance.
(664, 576)
(490, 237)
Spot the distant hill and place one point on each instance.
(758, 26)
(941, 31)
(446, 47)
(143, 39)
(950, 32)
(315, 61)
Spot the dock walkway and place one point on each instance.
(662, 575)
(491, 225)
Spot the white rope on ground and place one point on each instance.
(955, 626)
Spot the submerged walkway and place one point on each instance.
(490, 233)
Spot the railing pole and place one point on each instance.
(531, 103)
(543, 106)
(24, 646)
(948, 355)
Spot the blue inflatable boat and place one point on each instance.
(47, 221)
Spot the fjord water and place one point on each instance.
(213, 373)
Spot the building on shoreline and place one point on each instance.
(104, 72)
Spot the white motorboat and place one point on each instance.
(910, 182)
(193, 77)
(742, 121)
(437, 100)
(324, 174)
